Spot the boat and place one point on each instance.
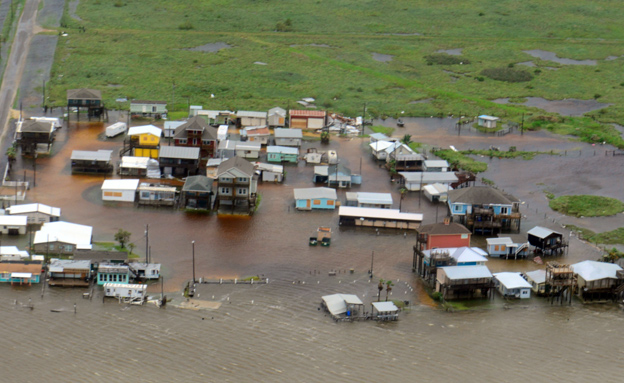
(400, 123)
(324, 236)
(313, 241)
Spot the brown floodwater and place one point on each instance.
(275, 332)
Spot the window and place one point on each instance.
(242, 191)
(226, 179)
(502, 247)
(457, 208)
(243, 179)
(206, 142)
(183, 141)
(316, 202)
(504, 211)
(225, 191)
(153, 109)
(330, 202)
(145, 195)
(495, 247)
(194, 141)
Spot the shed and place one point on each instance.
(435, 166)
(342, 306)
(246, 118)
(437, 192)
(537, 280)
(119, 190)
(277, 117)
(13, 224)
(307, 119)
(379, 218)
(512, 285)
(315, 198)
(270, 172)
(222, 132)
(487, 121)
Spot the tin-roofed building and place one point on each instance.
(147, 108)
(157, 195)
(29, 134)
(363, 199)
(598, 280)
(307, 119)
(197, 193)
(37, 213)
(288, 137)
(547, 241)
(113, 273)
(315, 198)
(119, 190)
(179, 160)
(62, 238)
(87, 161)
(455, 282)
(343, 306)
(512, 285)
(245, 118)
(276, 117)
(282, 154)
(20, 273)
(69, 272)
(378, 218)
(13, 224)
(537, 280)
(91, 99)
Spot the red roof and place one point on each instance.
(307, 113)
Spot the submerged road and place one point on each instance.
(15, 64)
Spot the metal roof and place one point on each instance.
(481, 195)
(13, 220)
(537, 276)
(79, 235)
(58, 265)
(499, 241)
(269, 167)
(120, 184)
(282, 150)
(90, 155)
(307, 113)
(198, 183)
(374, 198)
(379, 136)
(385, 307)
(594, 270)
(320, 192)
(466, 272)
(34, 207)
(135, 102)
(441, 228)
(84, 94)
(429, 177)
(250, 114)
(181, 152)
(489, 118)
(156, 187)
(436, 164)
(337, 303)
(541, 232)
(248, 145)
(371, 212)
(134, 162)
(512, 280)
(287, 133)
(125, 286)
(437, 189)
(460, 254)
(380, 145)
(237, 162)
(169, 125)
(277, 110)
(145, 129)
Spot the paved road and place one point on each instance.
(15, 65)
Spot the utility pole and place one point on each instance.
(193, 244)
(147, 243)
(421, 187)
(522, 126)
(372, 259)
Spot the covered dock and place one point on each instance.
(382, 218)
(343, 306)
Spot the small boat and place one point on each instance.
(400, 123)
(313, 241)
(324, 236)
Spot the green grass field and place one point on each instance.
(139, 49)
(586, 205)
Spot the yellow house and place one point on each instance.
(145, 140)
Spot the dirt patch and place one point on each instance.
(382, 57)
(211, 47)
(452, 52)
(551, 56)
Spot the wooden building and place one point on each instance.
(142, 141)
(483, 209)
(29, 134)
(598, 281)
(427, 262)
(237, 185)
(146, 108)
(560, 282)
(537, 280)
(88, 161)
(197, 193)
(455, 282)
(69, 272)
(547, 241)
(20, 273)
(197, 133)
(276, 117)
(90, 99)
(157, 195)
(179, 160)
(487, 121)
(442, 234)
(307, 119)
(245, 118)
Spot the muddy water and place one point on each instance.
(567, 107)
(274, 332)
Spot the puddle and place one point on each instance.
(452, 52)
(527, 63)
(114, 86)
(211, 47)
(260, 63)
(619, 128)
(551, 56)
(311, 45)
(425, 101)
(382, 58)
(567, 107)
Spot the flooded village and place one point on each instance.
(297, 245)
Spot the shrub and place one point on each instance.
(185, 26)
(445, 59)
(507, 74)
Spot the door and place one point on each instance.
(308, 205)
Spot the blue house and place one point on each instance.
(282, 154)
(504, 247)
(113, 273)
(20, 273)
(484, 209)
(315, 198)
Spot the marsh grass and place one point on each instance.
(586, 205)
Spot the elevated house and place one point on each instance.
(428, 261)
(245, 118)
(197, 193)
(336, 175)
(13, 224)
(282, 154)
(504, 247)
(362, 199)
(374, 137)
(315, 198)
(416, 181)
(119, 190)
(288, 137)
(270, 172)
(29, 134)
(113, 273)
(455, 282)
(307, 119)
(145, 271)
(560, 281)
(83, 98)
(69, 272)
(197, 133)
(442, 234)
(405, 159)
(147, 108)
(512, 285)
(598, 281)
(547, 241)
(20, 273)
(384, 311)
(143, 167)
(378, 218)
(276, 117)
(143, 141)
(484, 209)
(37, 213)
(537, 280)
(62, 238)
(259, 134)
(179, 160)
(487, 121)
(87, 161)
(157, 195)
(237, 185)
(380, 149)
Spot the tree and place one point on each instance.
(389, 285)
(403, 192)
(380, 288)
(407, 139)
(122, 237)
(131, 247)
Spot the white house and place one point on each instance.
(537, 280)
(37, 213)
(62, 238)
(13, 224)
(125, 291)
(415, 180)
(270, 172)
(512, 285)
(248, 149)
(12, 253)
(435, 166)
(288, 137)
(487, 121)
(378, 137)
(119, 190)
(277, 117)
(362, 199)
(596, 279)
(170, 127)
(381, 149)
(246, 118)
